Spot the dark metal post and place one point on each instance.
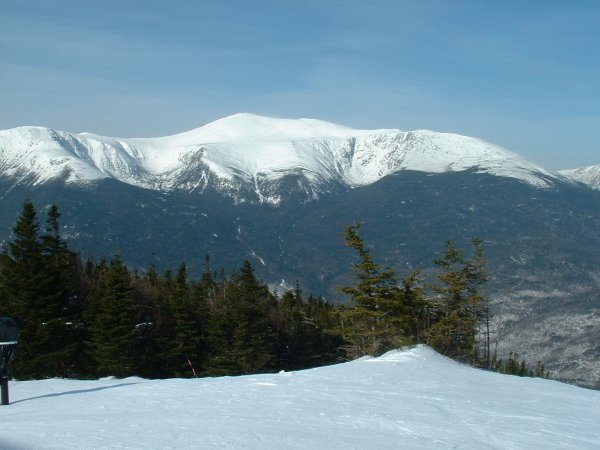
(9, 332)
(4, 391)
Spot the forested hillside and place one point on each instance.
(96, 318)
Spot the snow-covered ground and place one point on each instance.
(414, 399)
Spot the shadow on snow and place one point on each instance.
(78, 391)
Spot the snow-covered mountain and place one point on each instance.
(141, 196)
(249, 153)
(589, 175)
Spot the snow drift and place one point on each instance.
(403, 399)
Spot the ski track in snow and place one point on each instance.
(413, 399)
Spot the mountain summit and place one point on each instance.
(589, 175)
(250, 157)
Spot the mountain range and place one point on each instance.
(278, 192)
(244, 154)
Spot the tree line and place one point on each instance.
(87, 319)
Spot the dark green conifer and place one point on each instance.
(185, 346)
(111, 322)
(457, 305)
(36, 282)
(253, 336)
(375, 320)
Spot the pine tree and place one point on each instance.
(36, 283)
(457, 305)
(111, 322)
(57, 306)
(150, 312)
(415, 319)
(19, 286)
(185, 347)
(253, 336)
(374, 322)
(303, 338)
(21, 267)
(298, 336)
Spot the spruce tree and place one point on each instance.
(457, 305)
(303, 332)
(20, 281)
(111, 322)
(57, 306)
(373, 323)
(414, 314)
(253, 336)
(21, 268)
(36, 283)
(240, 335)
(185, 346)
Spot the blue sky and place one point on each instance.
(521, 74)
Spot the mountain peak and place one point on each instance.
(589, 175)
(252, 127)
(252, 153)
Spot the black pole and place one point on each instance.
(9, 333)
(4, 390)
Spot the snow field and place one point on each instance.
(250, 147)
(405, 399)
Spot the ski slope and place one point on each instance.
(413, 399)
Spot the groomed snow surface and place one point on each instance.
(414, 399)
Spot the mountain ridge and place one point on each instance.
(246, 153)
(588, 175)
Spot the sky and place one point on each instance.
(523, 75)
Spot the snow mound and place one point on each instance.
(404, 399)
(417, 353)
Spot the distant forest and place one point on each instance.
(88, 319)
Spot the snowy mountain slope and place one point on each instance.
(589, 175)
(248, 152)
(404, 399)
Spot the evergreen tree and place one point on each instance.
(111, 323)
(457, 305)
(375, 321)
(58, 305)
(415, 320)
(539, 370)
(303, 337)
(21, 266)
(298, 343)
(20, 281)
(240, 334)
(253, 337)
(36, 283)
(185, 346)
(150, 312)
